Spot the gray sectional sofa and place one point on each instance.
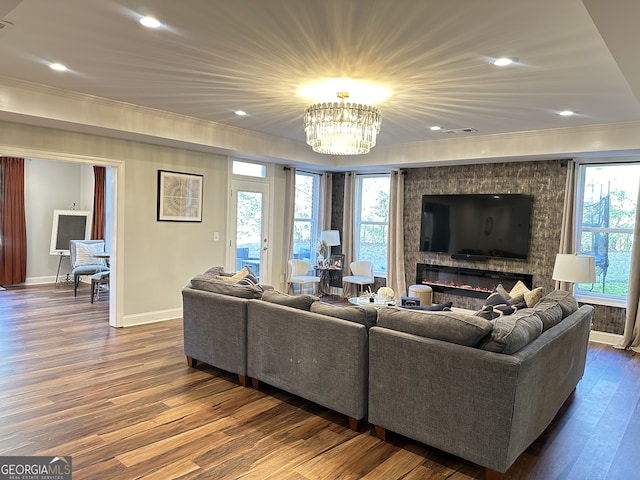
(480, 389)
(480, 405)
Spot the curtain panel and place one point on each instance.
(13, 224)
(567, 230)
(348, 236)
(324, 207)
(631, 335)
(395, 242)
(289, 213)
(99, 203)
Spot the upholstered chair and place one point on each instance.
(361, 275)
(83, 262)
(299, 274)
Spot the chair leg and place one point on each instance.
(76, 280)
(93, 289)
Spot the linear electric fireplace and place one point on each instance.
(467, 282)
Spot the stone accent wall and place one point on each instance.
(545, 180)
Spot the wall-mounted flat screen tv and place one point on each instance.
(476, 226)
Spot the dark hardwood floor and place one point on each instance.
(125, 405)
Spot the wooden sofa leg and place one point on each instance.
(490, 474)
(381, 432)
(354, 424)
(255, 383)
(192, 362)
(244, 380)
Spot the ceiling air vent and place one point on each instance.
(458, 131)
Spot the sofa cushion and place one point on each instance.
(567, 302)
(549, 311)
(454, 327)
(301, 302)
(366, 316)
(511, 333)
(213, 272)
(214, 285)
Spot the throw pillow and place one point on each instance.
(519, 289)
(496, 298)
(85, 254)
(301, 302)
(531, 297)
(487, 313)
(430, 308)
(452, 327)
(502, 291)
(365, 315)
(251, 279)
(511, 333)
(235, 278)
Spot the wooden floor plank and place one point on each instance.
(125, 405)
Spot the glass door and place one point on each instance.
(249, 241)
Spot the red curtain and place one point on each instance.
(13, 224)
(99, 188)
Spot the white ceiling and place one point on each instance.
(213, 57)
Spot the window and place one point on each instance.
(249, 169)
(305, 222)
(605, 220)
(372, 220)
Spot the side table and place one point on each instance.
(326, 277)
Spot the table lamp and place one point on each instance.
(330, 237)
(574, 268)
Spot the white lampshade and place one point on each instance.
(330, 237)
(574, 268)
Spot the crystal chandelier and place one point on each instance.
(342, 128)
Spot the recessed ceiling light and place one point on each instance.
(240, 113)
(566, 113)
(150, 22)
(503, 61)
(435, 128)
(57, 67)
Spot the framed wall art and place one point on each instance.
(179, 197)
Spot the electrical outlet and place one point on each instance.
(216, 236)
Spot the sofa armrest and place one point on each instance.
(215, 329)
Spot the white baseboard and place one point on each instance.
(604, 337)
(151, 317)
(39, 280)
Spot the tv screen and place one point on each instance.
(476, 225)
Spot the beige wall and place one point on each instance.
(156, 259)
